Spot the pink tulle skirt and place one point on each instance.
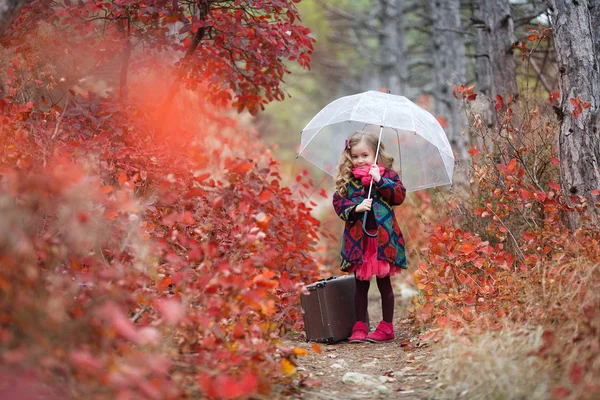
(371, 265)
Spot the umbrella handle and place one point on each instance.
(364, 226)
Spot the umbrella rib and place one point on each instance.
(414, 128)
(355, 107)
(384, 112)
(310, 140)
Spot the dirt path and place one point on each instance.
(398, 369)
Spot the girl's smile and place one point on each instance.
(362, 155)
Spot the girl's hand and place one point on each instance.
(374, 172)
(365, 205)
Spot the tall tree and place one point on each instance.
(383, 43)
(579, 84)
(495, 67)
(387, 41)
(449, 68)
(595, 15)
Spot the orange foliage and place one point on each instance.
(147, 263)
(502, 253)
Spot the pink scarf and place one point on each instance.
(363, 174)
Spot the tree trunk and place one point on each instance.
(387, 41)
(204, 9)
(402, 67)
(595, 16)
(449, 68)
(505, 73)
(579, 142)
(8, 11)
(125, 27)
(495, 66)
(483, 49)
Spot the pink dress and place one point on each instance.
(371, 265)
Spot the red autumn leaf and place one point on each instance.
(470, 301)
(164, 284)
(499, 103)
(195, 192)
(316, 348)
(119, 321)
(560, 392)
(242, 168)
(467, 248)
(427, 336)
(473, 151)
(284, 282)
(217, 202)
(265, 196)
(106, 189)
(84, 359)
(575, 373)
(171, 310)
(548, 341)
(122, 179)
(248, 383)
(202, 177)
(111, 214)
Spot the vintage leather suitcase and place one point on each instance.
(329, 313)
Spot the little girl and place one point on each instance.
(382, 255)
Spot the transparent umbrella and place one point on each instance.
(414, 137)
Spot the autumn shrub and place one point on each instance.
(144, 259)
(504, 246)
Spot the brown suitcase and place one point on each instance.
(329, 313)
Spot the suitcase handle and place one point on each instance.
(323, 282)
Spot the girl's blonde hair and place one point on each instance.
(344, 171)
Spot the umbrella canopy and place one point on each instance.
(409, 133)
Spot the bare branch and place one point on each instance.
(8, 11)
(540, 74)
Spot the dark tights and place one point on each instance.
(362, 297)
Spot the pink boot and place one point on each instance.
(383, 332)
(359, 332)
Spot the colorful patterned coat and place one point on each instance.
(387, 193)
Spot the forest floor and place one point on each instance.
(397, 369)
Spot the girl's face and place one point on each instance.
(362, 155)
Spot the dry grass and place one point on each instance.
(569, 304)
(518, 362)
(495, 365)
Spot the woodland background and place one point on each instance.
(157, 230)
